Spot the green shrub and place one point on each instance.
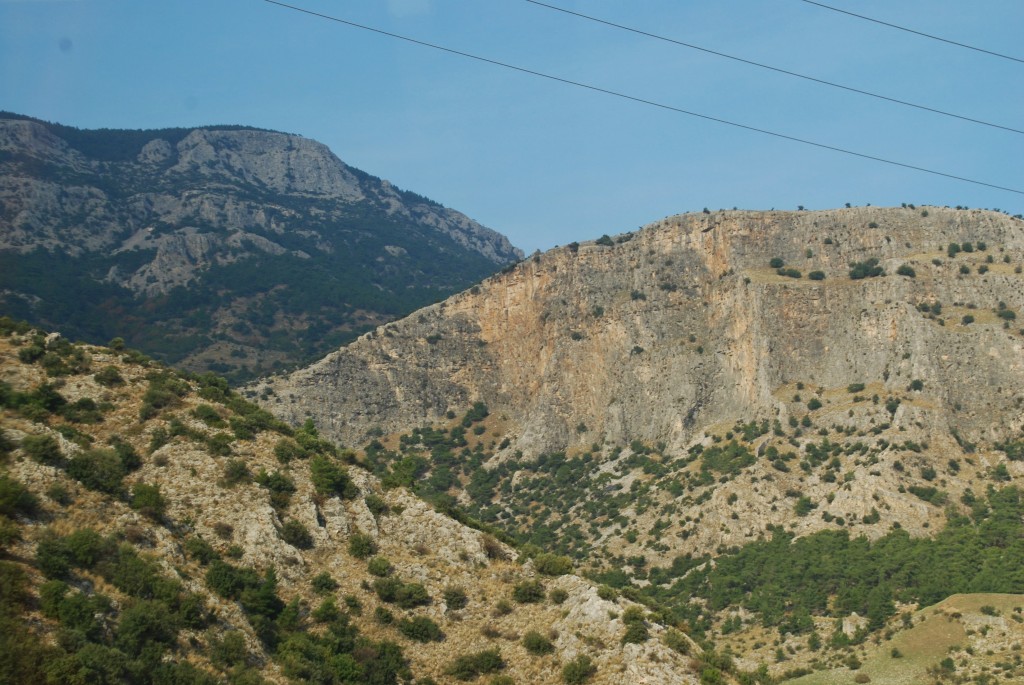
(164, 391)
(147, 500)
(636, 633)
(816, 275)
(43, 448)
(552, 564)
(324, 583)
(287, 449)
(813, 404)
(281, 487)
(98, 469)
(200, 550)
(31, 353)
(855, 387)
(804, 506)
(788, 272)
(130, 459)
(327, 612)
(361, 545)
(405, 595)
(906, 270)
(296, 534)
(537, 644)
(59, 493)
(16, 499)
(53, 558)
(229, 581)
(558, 596)
(229, 650)
(455, 598)
(776, 262)
(866, 269)
(676, 641)
(528, 592)
(420, 629)
(376, 505)
(235, 471)
(379, 566)
(86, 548)
(579, 670)
(209, 416)
(604, 240)
(470, 666)
(967, 320)
(729, 459)
(329, 478)
(108, 377)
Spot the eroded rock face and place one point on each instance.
(684, 325)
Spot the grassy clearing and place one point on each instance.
(944, 629)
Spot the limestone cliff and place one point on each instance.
(660, 334)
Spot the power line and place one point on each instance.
(643, 101)
(919, 33)
(771, 68)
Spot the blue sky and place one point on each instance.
(542, 162)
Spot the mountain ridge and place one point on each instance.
(286, 249)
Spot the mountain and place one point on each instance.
(157, 528)
(787, 430)
(658, 334)
(223, 248)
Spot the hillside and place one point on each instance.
(229, 249)
(701, 412)
(157, 528)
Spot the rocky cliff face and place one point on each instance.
(285, 249)
(684, 325)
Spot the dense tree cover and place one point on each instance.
(137, 640)
(134, 640)
(785, 581)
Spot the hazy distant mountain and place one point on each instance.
(224, 248)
